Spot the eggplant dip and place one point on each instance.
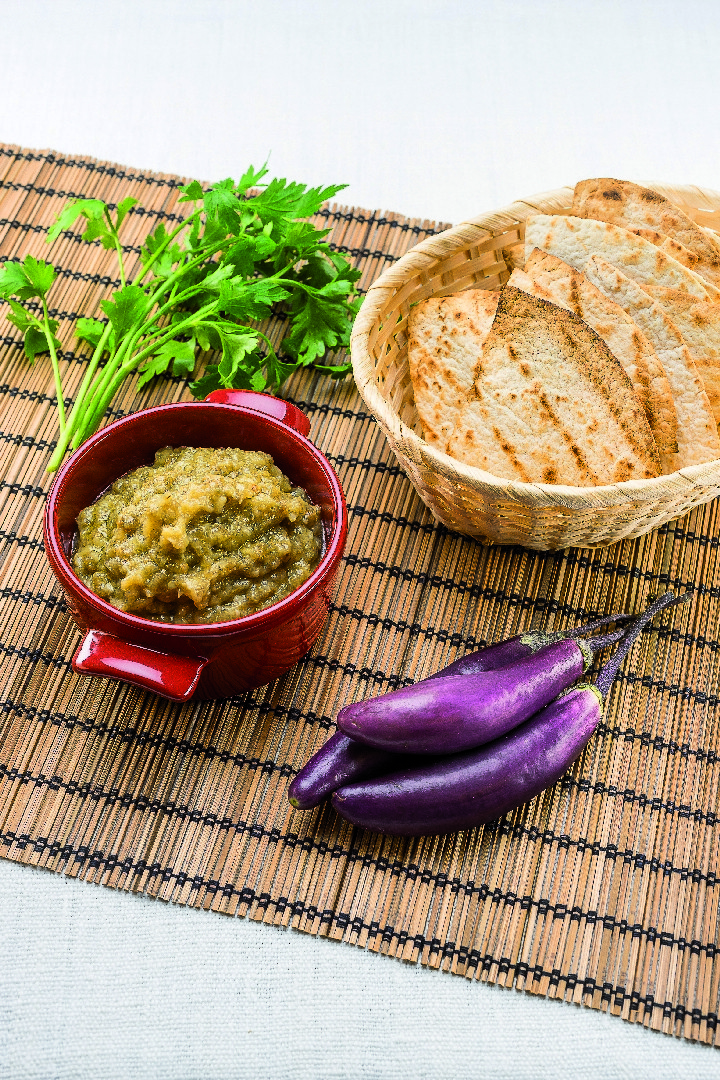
(201, 536)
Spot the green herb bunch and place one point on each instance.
(206, 284)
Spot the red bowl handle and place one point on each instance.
(264, 403)
(174, 677)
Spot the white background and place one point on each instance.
(434, 108)
(438, 110)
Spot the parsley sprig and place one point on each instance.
(243, 253)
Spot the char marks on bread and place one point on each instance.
(445, 335)
(552, 279)
(634, 207)
(697, 432)
(575, 240)
(550, 403)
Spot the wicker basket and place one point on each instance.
(481, 253)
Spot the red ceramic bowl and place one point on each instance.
(182, 661)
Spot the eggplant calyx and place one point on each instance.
(584, 686)
(587, 653)
(537, 639)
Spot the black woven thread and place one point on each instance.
(154, 741)
(90, 166)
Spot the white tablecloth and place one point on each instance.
(100, 984)
(435, 108)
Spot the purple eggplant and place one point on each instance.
(504, 653)
(339, 761)
(469, 789)
(342, 760)
(457, 712)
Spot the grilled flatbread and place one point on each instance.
(552, 279)
(445, 336)
(636, 207)
(698, 322)
(575, 239)
(697, 434)
(550, 403)
(679, 252)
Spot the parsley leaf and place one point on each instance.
(177, 356)
(122, 210)
(28, 279)
(93, 210)
(221, 205)
(253, 300)
(282, 200)
(160, 253)
(128, 307)
(36, 340)
(320, 321)
(191, 192)
(91, 330)
(250, 179)
(36, 334)
(235, 348)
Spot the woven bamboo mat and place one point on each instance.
(602, 891)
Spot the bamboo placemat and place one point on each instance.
(602, 891)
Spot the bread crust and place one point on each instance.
(697, 433)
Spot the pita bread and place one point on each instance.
(550, 403)
(679, 252)
(697, 434)
(698, 322)
(445, 336)
(552, 279)
(575, 239)
(635, 207)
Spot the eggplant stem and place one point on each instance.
(595, 644)
(606, 677)
(559, 635)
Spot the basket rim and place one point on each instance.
(432, 250)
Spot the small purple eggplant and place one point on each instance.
(469, 789)
(457, 712)
(338, 762)
(504, 653)
(342, 760)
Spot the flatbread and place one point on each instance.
(679, 252)
(697, 434)
(552, 279)
(575, 239)
(550, 403)
(698, 322)
(636, 207)
(445, 335)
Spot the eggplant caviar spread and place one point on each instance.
(201, 536)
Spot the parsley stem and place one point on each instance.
(164, 245)
(50, 338)
(170, 332)
(113, 376)
(204, 256)
(96, 391)
(121, 265)
(77, 411)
